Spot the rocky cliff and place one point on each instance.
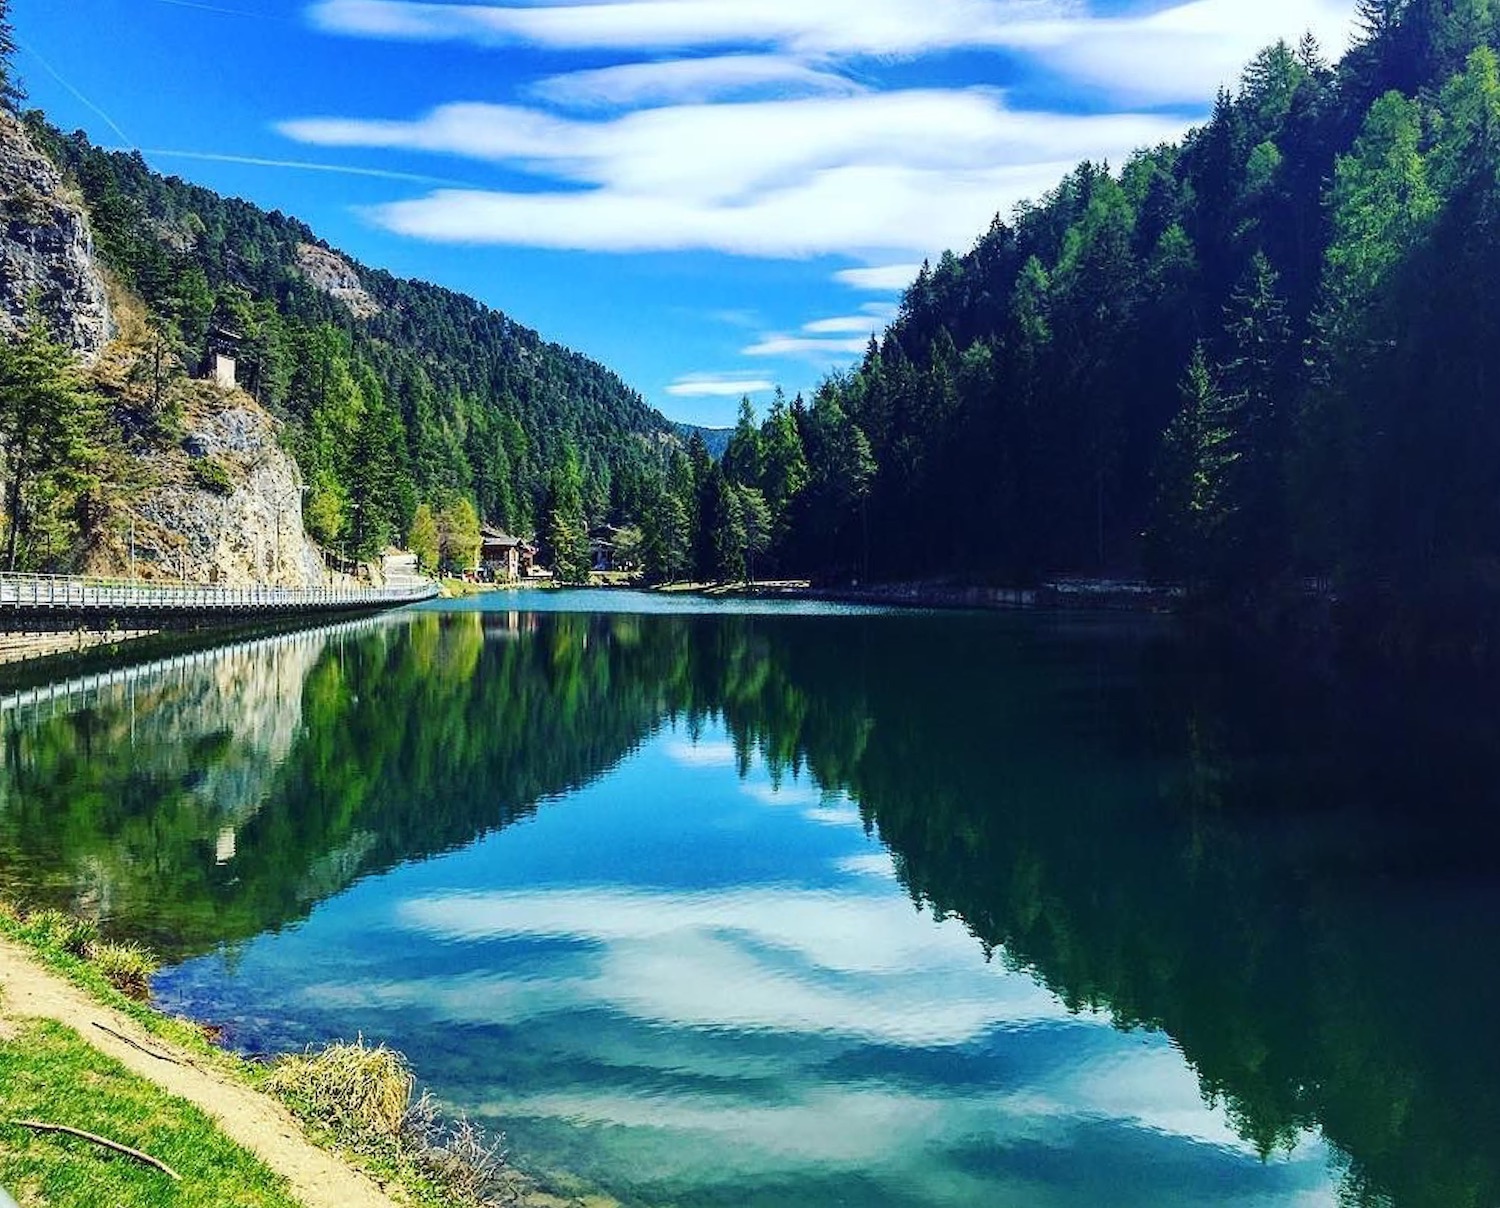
(223, 507)
(211, 497)
(47, 264)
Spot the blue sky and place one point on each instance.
(709, 196)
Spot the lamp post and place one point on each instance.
(132, 547)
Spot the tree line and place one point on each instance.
(1252, 360)
(1259, 357)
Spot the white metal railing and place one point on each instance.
(67, 695)
(42, 593)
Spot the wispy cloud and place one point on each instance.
(718, 385)
(1177, 53)
(817, 349)
(875, 864)
(855, 175)
(719, 77)
(775, 959)
(1180, 53)
(886, 278)
(800, 26)
(843, 324)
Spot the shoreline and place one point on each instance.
(1065, 595)
(324, 1159)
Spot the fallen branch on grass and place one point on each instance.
(39, 1126)
(134, 1045)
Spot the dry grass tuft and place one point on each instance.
(350, 1087)
(129, 967)
(472, 1164)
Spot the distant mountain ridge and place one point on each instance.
(715, 440)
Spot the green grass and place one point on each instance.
(47, 938)
(48, 1073)
(437, 1165)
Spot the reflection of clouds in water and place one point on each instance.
(871, 864)
(812, 970)
(818, 806)
(1148, 1084)
(834, 815)
(700, 754)
(789, 795)
(836, 931)
(751, 960)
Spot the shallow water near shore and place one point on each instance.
(757, 904)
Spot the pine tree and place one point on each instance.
(567, 529)
(742, 457)
(12, 95)
(1193, 505)
(48, 426)
(1256, 381)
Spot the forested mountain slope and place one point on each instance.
(394, 392)
(1266, 354)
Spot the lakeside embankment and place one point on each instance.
(80, 1048)
(1092, 595)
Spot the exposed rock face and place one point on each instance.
(238, 525)
(46, 251)
(336, 277)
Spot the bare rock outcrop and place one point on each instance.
(337, 278)
(47, 262)
(232, 514)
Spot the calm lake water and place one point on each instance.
(802, 906)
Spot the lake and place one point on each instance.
(710, 904)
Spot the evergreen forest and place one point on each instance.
(1259, 364)
(1255, 365)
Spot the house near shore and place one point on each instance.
(504, 558)
(609, 552)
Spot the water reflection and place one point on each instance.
(697, 978)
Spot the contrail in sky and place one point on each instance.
(53, 72)
(215, 8)
(307, 166)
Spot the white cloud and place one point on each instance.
(813, 348)
(1182, 53)
(808, 27)
(1178, 53)
(844, 324)
(713, 385)
(692, 80)
(859, 175)
(887, 278)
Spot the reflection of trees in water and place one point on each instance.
(1253, 874)
(1205, 854)
(406, 741)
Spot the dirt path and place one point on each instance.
(257, 1122)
